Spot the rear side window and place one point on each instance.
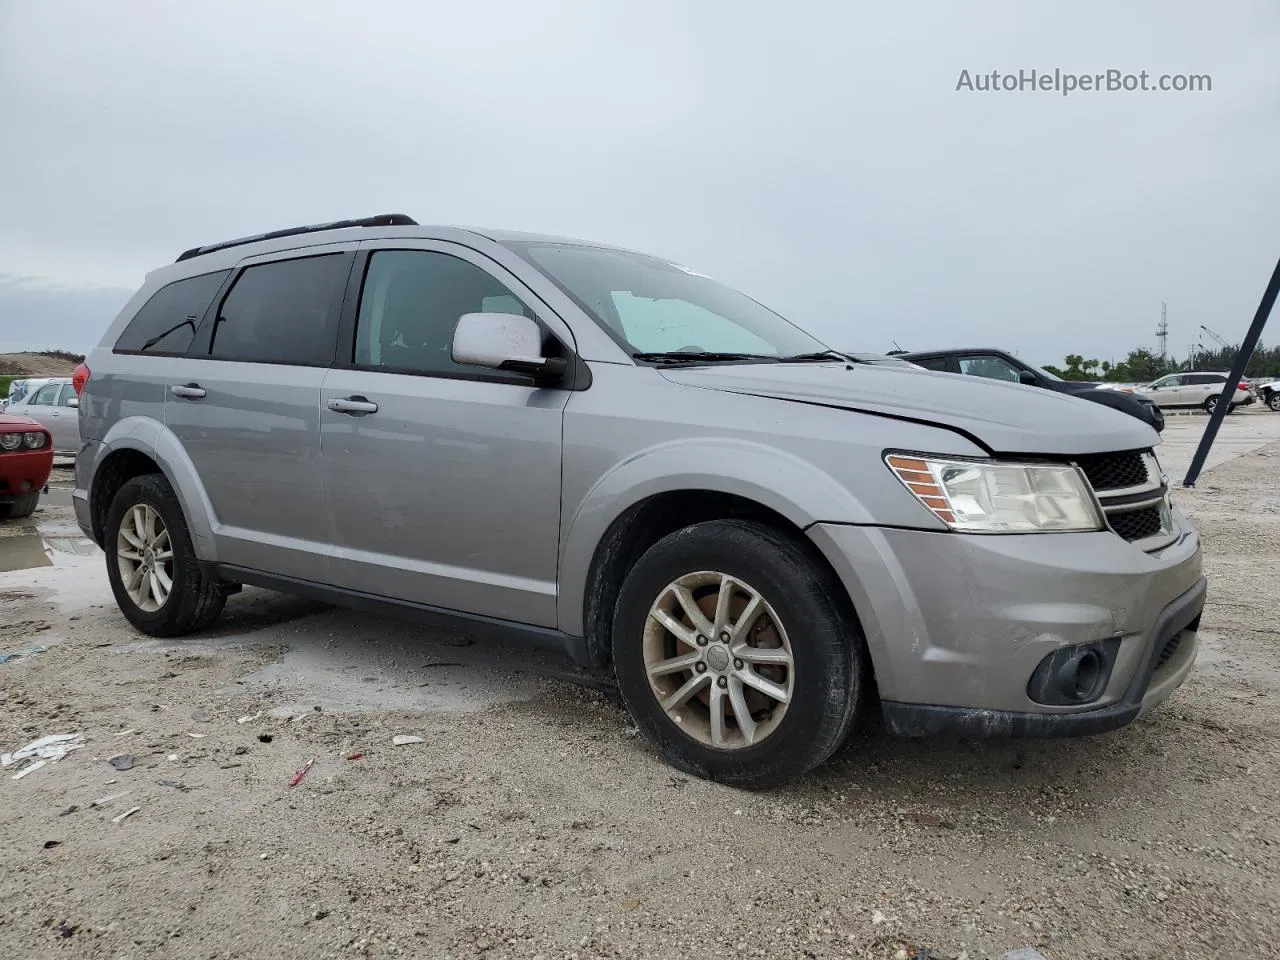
(167, 322)
(932, 363)
(283, 312)
(46, 396)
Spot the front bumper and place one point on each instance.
(23, 472)
(956, 625)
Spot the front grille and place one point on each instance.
(1170, 648)
(1137, 524)
(1115, 471)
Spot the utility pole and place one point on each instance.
(1162, 331)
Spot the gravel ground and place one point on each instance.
(531, 822)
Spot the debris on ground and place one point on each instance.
(1025, 953)
(265, 738)
(302, 772)
(123, 761)
(176, 784)
(39, 752)
(25, 653)
(124, 816)
(355, 756)
(103, 801)
(250, 718)
(401, 739)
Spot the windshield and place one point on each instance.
(652, 306)
(1044, 373)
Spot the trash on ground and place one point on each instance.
(50, 844)
(24, 654)
(39, 752)
(125, 733)
(355, 756)
(401, 739)
(123, 761)
(250, 718)
(103, 801)
(197, 736)
(302, 772)
(265, 738)
(173, 757)
(123, 816)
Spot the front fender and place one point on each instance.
(154, 439)
(783, 482)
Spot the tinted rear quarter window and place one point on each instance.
(167, 322)
(283, 312)
(932, 363)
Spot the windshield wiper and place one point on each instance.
(821, 356)
(698, 356)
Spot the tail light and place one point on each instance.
(80, 378)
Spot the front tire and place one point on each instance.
(1273, 401)
(151, 563)
(23, 505)
(736, 654)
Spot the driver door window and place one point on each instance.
(410, 305)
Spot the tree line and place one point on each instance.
(1143, 366)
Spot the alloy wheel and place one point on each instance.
(145, 557)
(718, 660)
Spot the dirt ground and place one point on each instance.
(531, 822)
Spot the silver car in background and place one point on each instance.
(52, 402)
(611, 454)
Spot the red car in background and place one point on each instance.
(26, 459)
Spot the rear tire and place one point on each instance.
(1273, 401)
(786, 680)
(23, 505)
(153, 550)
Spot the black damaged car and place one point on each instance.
(1002, 365)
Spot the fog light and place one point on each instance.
(1074, 675)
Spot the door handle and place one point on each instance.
(357, 406)
(188, 391)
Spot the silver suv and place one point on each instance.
(614, 455)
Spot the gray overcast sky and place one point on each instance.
(816, 155)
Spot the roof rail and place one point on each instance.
(381, 220)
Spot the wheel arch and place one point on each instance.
(137, 446)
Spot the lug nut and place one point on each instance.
(702, 668)
(724, 637)
(722, 681)
(737, 664)
(702, 641)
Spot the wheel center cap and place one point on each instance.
(149, 557)
(718, 659)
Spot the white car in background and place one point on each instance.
(1196, 388)
(52, 402)
(1270, 394)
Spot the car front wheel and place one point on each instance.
(1273, 401)
(736, 654)
(151, 563)
(23, 505)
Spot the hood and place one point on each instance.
(1008, 418)
(7, 420)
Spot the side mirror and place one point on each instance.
(73, 401)
(503, 341)
(1029, 378)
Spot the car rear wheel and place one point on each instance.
(23, 505)
(1273, 401)
(736, 655)
(151, 563)
(1212, 404)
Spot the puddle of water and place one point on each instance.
(58, 562)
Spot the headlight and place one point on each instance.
(33, 440)
(978, 496)
(10, 441)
